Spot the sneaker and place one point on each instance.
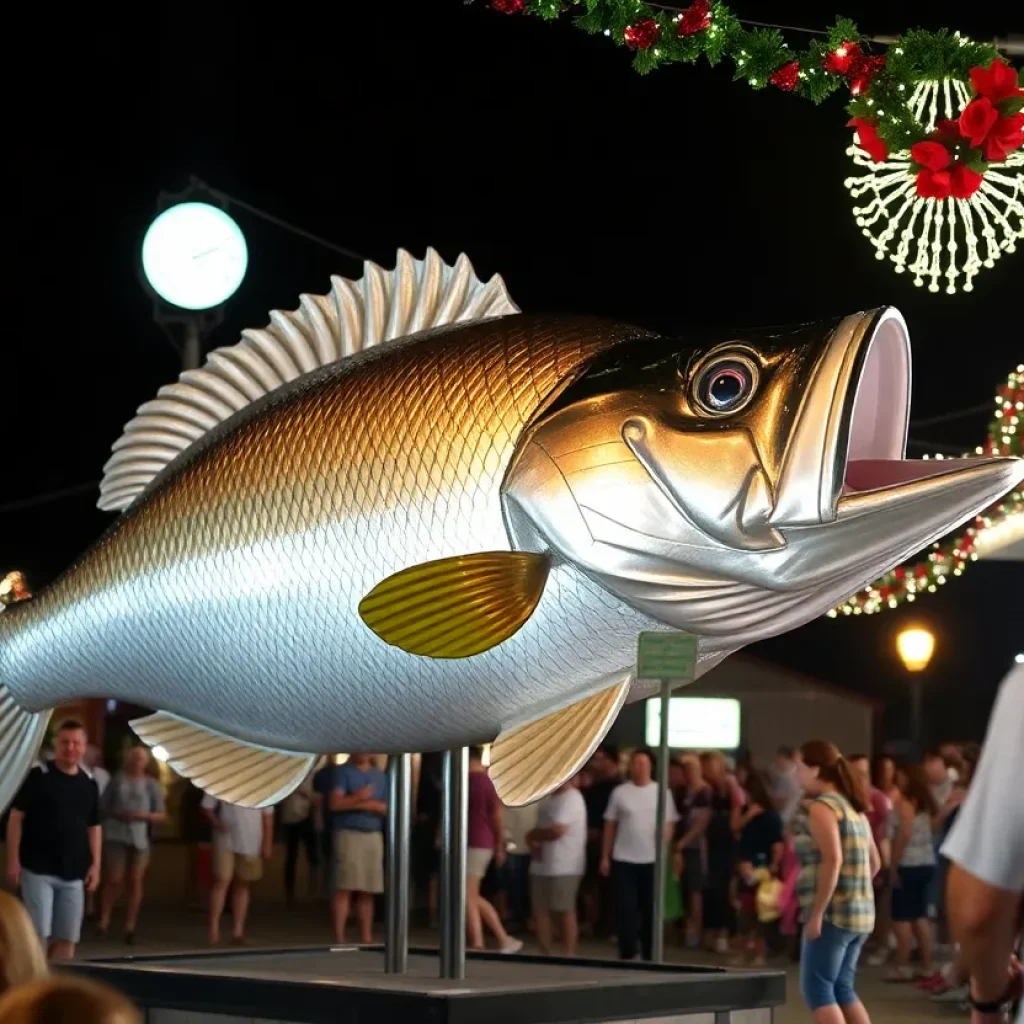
(721, 945)
(931, 982)
(900, 974)
(957, 994)
(878, 958)
(512, 946)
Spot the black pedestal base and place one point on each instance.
(347, 985)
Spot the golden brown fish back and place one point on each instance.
(406, 422)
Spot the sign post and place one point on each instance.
(670, 659)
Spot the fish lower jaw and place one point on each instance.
(881, 486)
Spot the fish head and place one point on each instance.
(739, 488)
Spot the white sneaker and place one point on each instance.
(878, 958)
(512, 946)
(952, 995)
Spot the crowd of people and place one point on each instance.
(818, 855)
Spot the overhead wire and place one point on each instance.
(271, 218)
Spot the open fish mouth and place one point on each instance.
(857, 412)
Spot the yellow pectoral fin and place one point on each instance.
(228, 769)
(532, 760)
(456, 607)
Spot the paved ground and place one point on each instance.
(165, 929)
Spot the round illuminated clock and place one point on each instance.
(194, 256)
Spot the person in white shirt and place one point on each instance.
(241, 837)
(628, 853)
(986, 875)
(559, 845)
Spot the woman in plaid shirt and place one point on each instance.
(838, 860)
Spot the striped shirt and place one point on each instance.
(853, 903)
(920, 851)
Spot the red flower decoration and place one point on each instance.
(1005, 137)
(840, 60)
(862, 71)
(948, 132)
(508, 6)
(963, 182)
(868, 140)
(977, 120)
(696, 18)
(933, 156)
(786, 77)
(933, 184)
(642, 35)
(996, 82)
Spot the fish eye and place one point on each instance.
(724, 384)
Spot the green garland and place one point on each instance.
(757, 54)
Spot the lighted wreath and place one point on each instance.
(938, 119)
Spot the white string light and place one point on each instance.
(938, 238)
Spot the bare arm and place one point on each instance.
(983, 919)
(903, 830)
(608, 839)
(268, 836)
(699, 816)
(874, 857)
(339, 800)
(14, 823)
(546, 835)
(825, 833)
(736, 810)
(92, 876)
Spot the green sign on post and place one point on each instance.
(666, 656)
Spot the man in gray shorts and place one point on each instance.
(53, 842)
(559, 845)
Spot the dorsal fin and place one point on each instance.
(356, 315)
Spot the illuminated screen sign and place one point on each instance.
(696, 723)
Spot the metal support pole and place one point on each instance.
(454, 813)
(658, 916)
(396, 941)
(192, 348)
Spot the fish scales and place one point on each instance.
(253, 549)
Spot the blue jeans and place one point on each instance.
(827, 967)
(55, 906)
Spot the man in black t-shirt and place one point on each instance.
(53, 842)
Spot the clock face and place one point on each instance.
(194, 256)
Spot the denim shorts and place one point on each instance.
(55, 905)
(828, 965)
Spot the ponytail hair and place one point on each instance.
(832, 767)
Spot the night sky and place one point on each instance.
(679, 200)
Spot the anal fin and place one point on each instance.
(529, 761)
(231, 770)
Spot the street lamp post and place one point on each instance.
(915, 647)
(194, 257)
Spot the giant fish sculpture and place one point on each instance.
(407, 517)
